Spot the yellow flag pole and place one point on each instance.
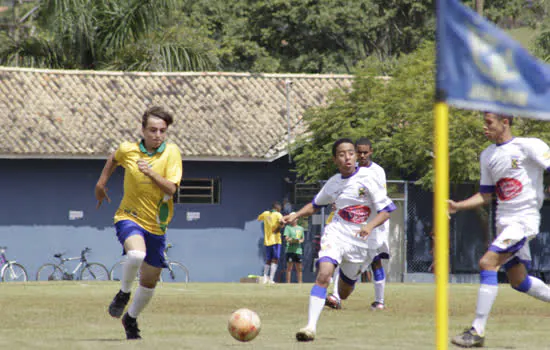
(441, 146)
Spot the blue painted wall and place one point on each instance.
(225, 244)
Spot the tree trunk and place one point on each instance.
(479, 6)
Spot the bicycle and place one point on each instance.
(11, 270)
(85, 270)
(175, 272)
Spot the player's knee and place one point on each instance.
(486, 264)
(323, 278)
(135, 257)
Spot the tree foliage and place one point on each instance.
(397, 115)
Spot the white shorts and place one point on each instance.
(513, 231)
(349, 256)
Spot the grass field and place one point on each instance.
(72, 315)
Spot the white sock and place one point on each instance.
(273, 271)
(336, 278)
(539, 289)
(141, 298)
(130, 267)
(379, 287)
(266, 270)
(485, 299)
(316, 305)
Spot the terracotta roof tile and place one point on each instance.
(86, 114)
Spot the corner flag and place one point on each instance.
(480, 67)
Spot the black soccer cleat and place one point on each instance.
(130, 327)
(469, 339)
(117, 306)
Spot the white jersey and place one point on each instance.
(381, 233)
(358, 198)
(514, 170)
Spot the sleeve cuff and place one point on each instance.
(389, 208)
(486, 189)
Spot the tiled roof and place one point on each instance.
(86, 114)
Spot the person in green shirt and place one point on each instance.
(294, 237)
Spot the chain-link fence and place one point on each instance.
(411, 228)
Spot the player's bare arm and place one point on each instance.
(307, 210)
(100, 187)
(477, 200)
(166, 186)
(378, 220)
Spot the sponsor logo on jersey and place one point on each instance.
(508, 188)
(515, 163)
(357, 214)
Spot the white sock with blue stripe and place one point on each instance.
(379, 277)
(485, 298)
(316, 303)
(536, 288)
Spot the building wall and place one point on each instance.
(225, 244)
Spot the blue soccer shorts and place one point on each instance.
(154, 244)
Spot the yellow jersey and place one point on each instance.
(272, 227)
(143, 201)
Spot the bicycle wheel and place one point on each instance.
(94, 272)
(116, 271)
(14, 273)
(175, 272)
(49, 272)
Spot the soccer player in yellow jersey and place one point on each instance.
(153, 171)
(272, 240)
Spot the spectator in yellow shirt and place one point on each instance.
(272, 240)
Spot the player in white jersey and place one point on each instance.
(361, 205)
(513, 168)
(377, 239)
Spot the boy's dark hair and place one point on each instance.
(363, 141)
(338, 143)
(276, 205)
(501, 116)
(159, 112)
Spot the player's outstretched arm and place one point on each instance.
(100, 187)
(477, 200)
(307, 210)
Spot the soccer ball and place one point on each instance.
(244, 325)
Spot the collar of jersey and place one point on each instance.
(347, 177)
(160, 149)
(505, 142)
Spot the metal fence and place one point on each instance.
(470, 232)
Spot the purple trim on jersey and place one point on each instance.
(326, 259)
(347, 177)
(548, 169)
(379, 274)
(500, 144)
(380, 257)
(318, 291)
(511, 249)
(488, 277)
(487, 189)
(525, 285)
(514, 261)
(389, 208)
(347, 280)
(314, 204)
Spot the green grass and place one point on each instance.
(72, 315)
(524, 35)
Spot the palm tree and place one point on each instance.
(91, 34)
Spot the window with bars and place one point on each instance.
(198, 191)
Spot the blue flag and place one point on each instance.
(480, 67)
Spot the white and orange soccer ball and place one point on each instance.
(244, 325)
